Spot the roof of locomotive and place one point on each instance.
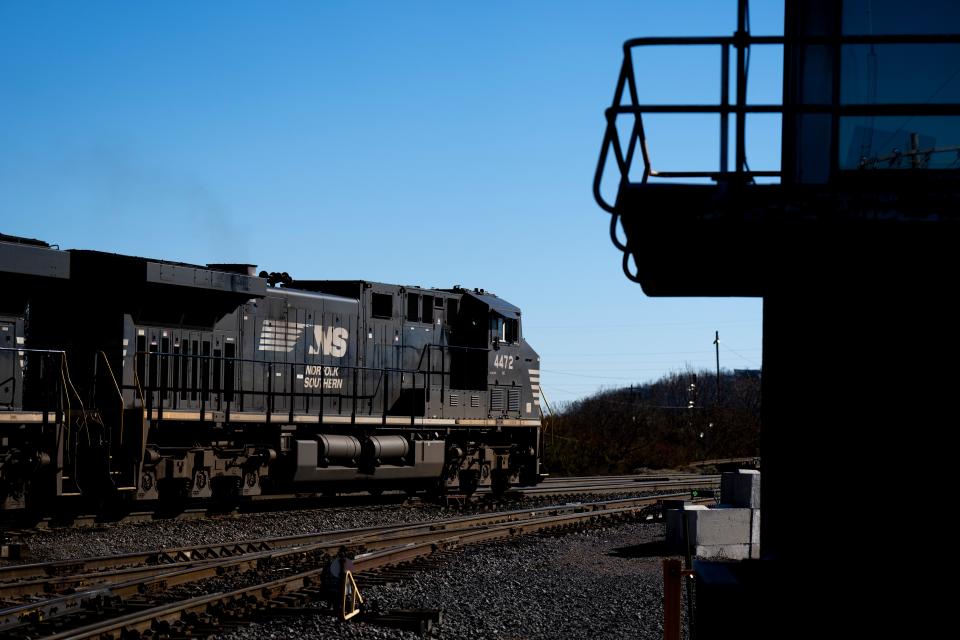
(26, 257)
(359, 285)
(499, 305)
(294, 292)
(242, 276)
(21, 240)
(353, 288)
(135, 271)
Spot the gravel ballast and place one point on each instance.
(69, 543)
(601, 583)
(598, 583)
(79, 542)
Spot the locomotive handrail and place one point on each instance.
(53, 391)
(202, 388)
(31, 350)
(49, 396)
(223, 388)
(443, 373)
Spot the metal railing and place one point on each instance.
(735, 50)
(637, 141)
(444, 349)
(171, 381)
(48, 374)
(271, 388)
(740, 43)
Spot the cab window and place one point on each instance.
(504, 329)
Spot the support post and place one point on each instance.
(671, 599)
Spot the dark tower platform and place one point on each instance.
(853, 244)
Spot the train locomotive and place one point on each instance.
(127, 380)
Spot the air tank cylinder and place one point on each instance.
(386, 447)
(338, 447)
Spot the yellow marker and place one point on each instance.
(352, 592)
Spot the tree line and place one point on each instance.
(666, 424)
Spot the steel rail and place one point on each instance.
(192, 553)
(262, 594)
(396, 544)
(74, 575)
(311, 500)
(626, 476)
(708, 481)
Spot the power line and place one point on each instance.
(747, 360)
(584, 375)
(527, 326)
(647, 353)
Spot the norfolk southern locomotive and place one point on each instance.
(129, 379)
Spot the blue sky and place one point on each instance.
(426, 143)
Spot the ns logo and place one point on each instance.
(282, 336)
(330, 341)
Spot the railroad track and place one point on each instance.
(270, 503)
(156, 591)
(620, 484)
(561, 488)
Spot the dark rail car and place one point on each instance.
(125, 378)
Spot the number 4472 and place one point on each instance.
(503, 362)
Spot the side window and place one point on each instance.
(382, 305)
(427, 315)
(496, 327)
(504, 329)
(452, 306)
(413, 307)
(511, 329)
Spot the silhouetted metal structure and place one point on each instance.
(851, 244)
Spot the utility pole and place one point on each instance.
(716, 342)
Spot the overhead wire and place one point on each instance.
(745, 359)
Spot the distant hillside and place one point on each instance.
(663, 424)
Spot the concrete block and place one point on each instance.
(755, 528)
(723, 551)
(740, 488)
(716, 533)
(728, 551)
(674, 522)
(720, 526)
